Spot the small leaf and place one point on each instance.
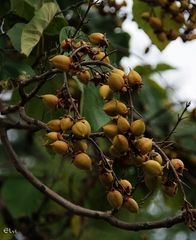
(15, 35)
(33, 30)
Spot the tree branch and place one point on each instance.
(165, 223)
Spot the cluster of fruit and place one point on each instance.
(71, 134)
(180, 11)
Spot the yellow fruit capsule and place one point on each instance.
(121, 108)
(157, 157)
(81, 129)
(66, 123)
(115, 152)
(80, 146)
(52, 136)
(134, 78)
(118, 71)
(54, 125)
(131, 205)
(97, 38)
(144, 145)
(138, 160)
(106, 178)
(50, 100)
(82, 161)
(155, 23)
(110, 130)
(105, 92)
(178, 165)
(61, 62)
(152, 168)
(101, 56)
(123, 124)
(60, 147)
(120, 143)
(84, 76)
(115, 199)
(137, 127)
(127, 186)
(116, 81)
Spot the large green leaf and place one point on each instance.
(32, 31)
(22, 8)
(15, 35)
(91, 107)
(168, 23)
(20, 197)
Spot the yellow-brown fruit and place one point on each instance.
(80, 146)
(74, 88)
(138, 160)
(134, 78)
(127, 186)
(115, 152)
(179, 17)
(61, 62)
(66, 123)
(131, 205)
(115, 81)
(173, 34)
(123, 124)
(84, 76)
(173, 8)
(54, 125)
(118, 71)
(152, 182)
(115, 107)
(170, 188)
(137, 127)
(60, 147)
(162, 36)
(155, 23)
(81, 129)
(105, 92)
(178, 165)
(101, 56)
(110, 129)
(106, 178)
(152, 168)
(157, 157)
(50, 100)
(82, 161)
(121, 108)
(66, 43)
(144, 145)
(115, 199)
(97, 38)
(120, 143)
(52, 136)
(145, 15)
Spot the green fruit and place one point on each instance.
(152, 168)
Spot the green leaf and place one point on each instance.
(20, 197)
(91, 107)
(55, 26)
(163, 67)
(32, 31)
(15, 35)
(22, 8)
(66, 32)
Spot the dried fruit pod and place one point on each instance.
(81, 129)
(131, 205)
(54, 125)
(115, 81)
(52, 136)
(152, 168)
(105, 92)
(80, 146)
(110, 129)
(61, 62)
(101, 56)
(123, 124)
(50, 100)
(115, 198)
(60, 147)
(66, 123)
(137, 127)
(82, 161)
(170, 188)
(84, 76)
(97, 38)
(144, 145)
(127, 186)
(120, 143)
(106, 178)
(134, 79)
(178, 165)
(155, 23)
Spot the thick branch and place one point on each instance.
(166, 223)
